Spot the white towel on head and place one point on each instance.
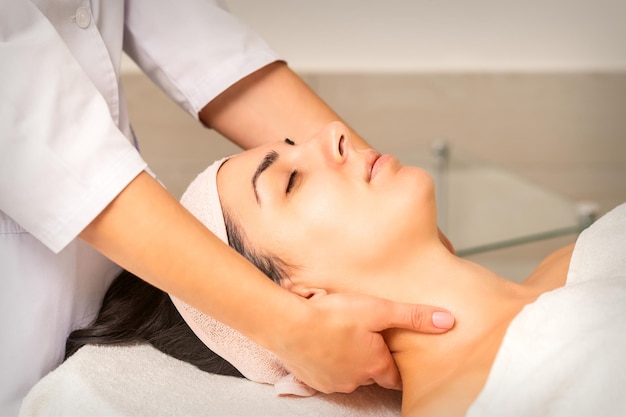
(255, 362)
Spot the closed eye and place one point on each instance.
(292, 180)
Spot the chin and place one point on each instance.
(419, 190)
(418, 182)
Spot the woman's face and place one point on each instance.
(335, 212)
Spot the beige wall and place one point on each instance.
(430, 35)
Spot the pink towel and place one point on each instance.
(253, 361)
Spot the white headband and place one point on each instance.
(252, 360)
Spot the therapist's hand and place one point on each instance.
(337, 346)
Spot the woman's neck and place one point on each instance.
(483, 304)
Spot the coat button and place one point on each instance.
(82, 17)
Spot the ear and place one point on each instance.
(307, 292)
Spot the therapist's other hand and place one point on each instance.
(338, 345)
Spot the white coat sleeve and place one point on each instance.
(62, 157)
(193, 49)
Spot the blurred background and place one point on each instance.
(526, 101)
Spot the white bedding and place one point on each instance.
(565, 354)
(141, 381)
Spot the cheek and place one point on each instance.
(337, 233)
(316, 221)
(339, 230)
(322, 206)
(320, 230)
(402, 216)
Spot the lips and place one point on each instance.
(371, 158)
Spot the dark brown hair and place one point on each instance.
(135, 312)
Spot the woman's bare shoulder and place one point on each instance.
(551, 273)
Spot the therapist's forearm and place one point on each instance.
(146, 231)
(267, 106)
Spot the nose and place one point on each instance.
(334, 141)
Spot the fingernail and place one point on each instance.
(443, 320)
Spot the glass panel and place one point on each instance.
(483, 207)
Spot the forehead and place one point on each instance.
(249, 159)
(234, 178)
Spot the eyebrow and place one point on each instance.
(267, 162)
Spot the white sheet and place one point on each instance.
(565, 354)
(141, 381)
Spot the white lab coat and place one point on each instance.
(66, 148)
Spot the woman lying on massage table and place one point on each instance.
(319, 216)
